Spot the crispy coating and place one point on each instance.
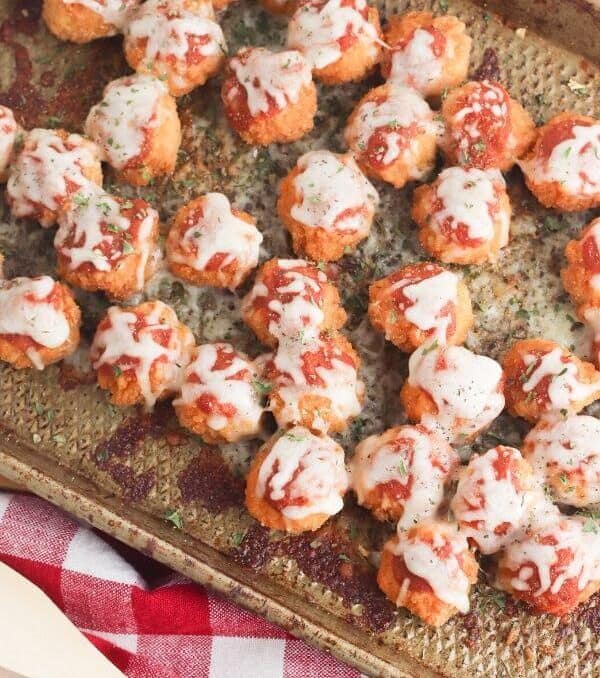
(13, 348)
(257, 307)
(418, 597)
(543, 377)
(388, 307)
(500, 139)
(77, 23)
(562, 187)
(417, 142)
(450, 242)
(448, 38)
(583, 266)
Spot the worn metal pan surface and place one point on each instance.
(127, 472)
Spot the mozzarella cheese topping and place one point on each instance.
(574, 163)
(469, 197)
(26, 311)
(399, 120)
(304, 472)
(296, 304)
(568, 446)
(218, 232)
(410, 456)
(129, 342)
(112, 12)
(489, 497)
(336, 379)
(333, 193)
(564, 387)
(437, 563)
(538, 552)
(316, 29)
(170, 32)
(429, 299)
(416, 64)
(119, 124)
(229, 386)
(95, 231)
(47, 170)
(9, 131)
(466, 388)
(270, 78)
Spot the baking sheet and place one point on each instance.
(127, 472)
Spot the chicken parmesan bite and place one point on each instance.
(565, 455)
(290, 296)
(430, 54)
(39, 322)
(581, 276)
(429, 570)
(137, 127)
(211, 243)
(140, 352)
(494, 497)
(562, 169)
(10, 137)
(463, 216)
(543, 377)
(315, 382)
(178, 41)
(452, 390)
(341, 39)
(419, 303)
(51, 166)
(220, 400)
(106, 243)
(269, 97)
(296, 481)
(327, 205)
(485, 128)
(86, 20)
(400, 474)
(553, 567)
(392, 134)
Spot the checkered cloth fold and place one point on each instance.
(149, 621)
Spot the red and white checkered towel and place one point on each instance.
(150, 622)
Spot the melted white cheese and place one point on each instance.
(112, 12)
(83, 221)
(565, 389)
(341, 385)
(468, 197)
(329, 185)
(218, 231)
(489, 501)
(9, 131)
(119, 344)
(270, 78)
(306, 467)
(300, 312)
(316, 28)
(466, 391)
(24, 311)
(571, 445)
(402, 108)
(120, 122)
(574, 163)
(167, 27)
(416, 65)
(224, 385)
(46, 170)
(404, 455)
(446, 577)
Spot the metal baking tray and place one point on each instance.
(151, 485)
